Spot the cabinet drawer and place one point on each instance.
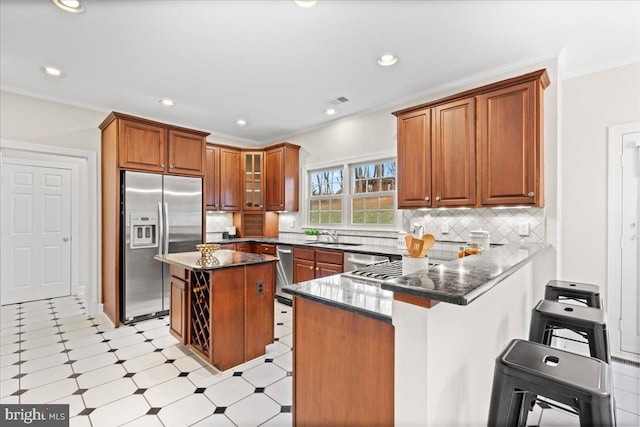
(303, 253)
(330, 257)
(243, 247)
(179, 273)
(266, 249)
(229, 246)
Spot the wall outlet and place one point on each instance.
(523, 228)
(260, 288)
(444, 227)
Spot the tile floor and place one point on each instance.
(138, 375)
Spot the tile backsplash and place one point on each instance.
(502, 224)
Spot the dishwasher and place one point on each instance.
(284, 272)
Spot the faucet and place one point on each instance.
(331, 233)
(418, 227)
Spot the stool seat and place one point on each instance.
(587, 321)
(559, 290)
(580, 382)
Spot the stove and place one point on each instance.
(380, 272)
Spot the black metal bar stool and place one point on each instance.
(588, 322)
(559, 290)
(580, 382)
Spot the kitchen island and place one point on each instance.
(222, 310)
(436, 335)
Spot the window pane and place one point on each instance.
(388, 184)
(324, 205)
(371, 217)
(324, 217)
(386, 217)
(315, 190)
(358, 217)
(358, 204)
(386, 202)
(373, 185)
(390, 169)
(314, 205)
(371, 203)
(336, 217)
(314, 217)
(359, 186)
(336, 204)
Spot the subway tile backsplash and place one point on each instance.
(502, 224)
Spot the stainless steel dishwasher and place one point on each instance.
(354, 261)
(284, 274)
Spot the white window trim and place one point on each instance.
(346, 163)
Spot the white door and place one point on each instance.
(36, 233)
(630, 274)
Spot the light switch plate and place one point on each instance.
(444, 227)
(523, 228)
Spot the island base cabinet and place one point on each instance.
(358, 352)
(227, 316)
(259, 302)
(177, 312)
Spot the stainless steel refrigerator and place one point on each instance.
(159, 214)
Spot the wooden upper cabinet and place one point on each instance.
(186, 153)
(253, 180)
(454, 154)
(230, 173)
(141, 146)
(481, 147)
(414, 159)
(212, 177)
(509, 128)
(282, 177)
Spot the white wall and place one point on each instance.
(590, 104)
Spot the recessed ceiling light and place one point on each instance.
(387, 60)
(305, 3)
(330, 111)
(52, 71)
(73, 6)
(167, 102)
(241, 122)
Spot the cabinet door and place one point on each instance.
(227, 312)
(303, 270)
(141, 146)
(509, 146)
(230, 172)
(211, 181)
(178, 309)
(259, 295)
(454, 154)
(243, 247)
(324, 269)
(186, 153)
(266, 249)
(252, 168)
(414, 159)
(274, 181)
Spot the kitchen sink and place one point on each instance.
(336, 244)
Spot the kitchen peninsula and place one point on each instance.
(412, 342)
(223, 311)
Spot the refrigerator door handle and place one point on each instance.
(166, 228)
(160, 229)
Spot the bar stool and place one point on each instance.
(525, 367)
(588, 322)
(559, 290)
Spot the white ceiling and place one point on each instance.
(276, 64)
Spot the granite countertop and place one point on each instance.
(463, 280)
(355, 248)
(226, 258)
(357, 296)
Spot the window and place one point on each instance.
(373, 192)
(325, 202)
(367, 197)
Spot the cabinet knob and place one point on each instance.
(437, 198)
(426, 199)
(171, 166)
(317, 268)
(281, 205)
(531, 194)
(261, 205)
(310, 268)
(161, 165)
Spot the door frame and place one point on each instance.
(614, 235)
(75, 287)
(92, 292)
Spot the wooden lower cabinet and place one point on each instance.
(259, 294)
(310, 264)
(178, 309)
(343, 367)
(227, 317)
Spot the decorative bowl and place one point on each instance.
(207, 250)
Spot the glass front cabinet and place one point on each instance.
(253, 168)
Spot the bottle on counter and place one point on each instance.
(482, 238)
(471, 248)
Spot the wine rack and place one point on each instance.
(200, 312)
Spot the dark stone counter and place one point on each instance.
(225, 258)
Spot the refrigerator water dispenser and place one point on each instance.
(144, 228)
